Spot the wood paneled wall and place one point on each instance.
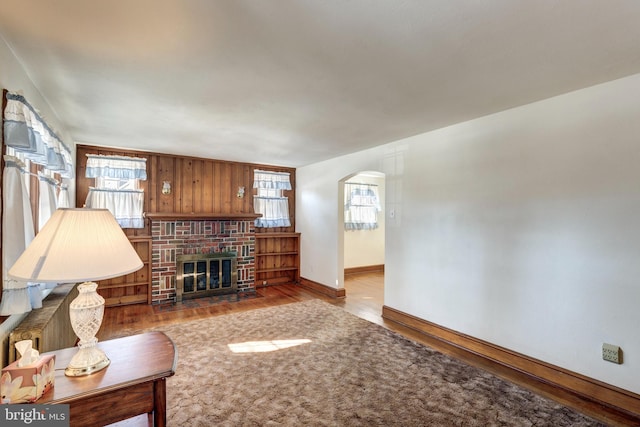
(197, 185)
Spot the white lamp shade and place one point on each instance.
(77, 245)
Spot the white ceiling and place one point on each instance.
(292, 82)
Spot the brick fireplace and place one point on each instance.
(176, 237)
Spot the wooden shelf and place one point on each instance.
(271, 270)
(275, 235)
(277, 258)
(135, 287)
(277, 253)
(156, 216)
(125, 300)
(102, 286)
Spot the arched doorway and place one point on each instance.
(362, 239)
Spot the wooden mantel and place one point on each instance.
(206, 216)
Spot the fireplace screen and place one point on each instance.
(206, 274)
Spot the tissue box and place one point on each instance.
(19, 384)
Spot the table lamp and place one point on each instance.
(80, 245)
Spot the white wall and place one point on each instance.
(521, 228)
(364, 248)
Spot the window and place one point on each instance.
(18, 231)
(35, 161)
(361, 206)
(116, 187)
(269, 202)
(116, 183)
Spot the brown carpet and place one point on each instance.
(327, 367)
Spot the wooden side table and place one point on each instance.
(133, 384)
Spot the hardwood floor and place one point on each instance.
(123, 320)
(364, 299)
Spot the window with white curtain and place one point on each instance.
(116, 187)
(29, 141)
(269, 202)
(17, 232)
(361, 206)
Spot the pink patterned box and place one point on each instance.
(27, 383)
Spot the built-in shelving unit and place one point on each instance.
(277, 258)
(133, 288)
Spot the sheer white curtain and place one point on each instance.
(17, 225)
(125, 205)
(27, 136)
(269, 202)
(63, 197)
(121, 197)
(47, 203)
(361, 206)
(274, 210)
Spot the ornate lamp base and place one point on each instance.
(87, 361)
(86, 316)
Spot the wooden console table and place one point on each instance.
(133, 384)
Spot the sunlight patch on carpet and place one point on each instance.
(265, 346)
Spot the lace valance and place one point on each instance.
(27, 133)
(121, 167)
(271, 180)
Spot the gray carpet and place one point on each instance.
(313, 364)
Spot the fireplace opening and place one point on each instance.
(203, 275)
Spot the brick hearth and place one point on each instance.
(186, 237)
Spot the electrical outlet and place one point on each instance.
(611, 353)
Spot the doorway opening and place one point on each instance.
(362, 239)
